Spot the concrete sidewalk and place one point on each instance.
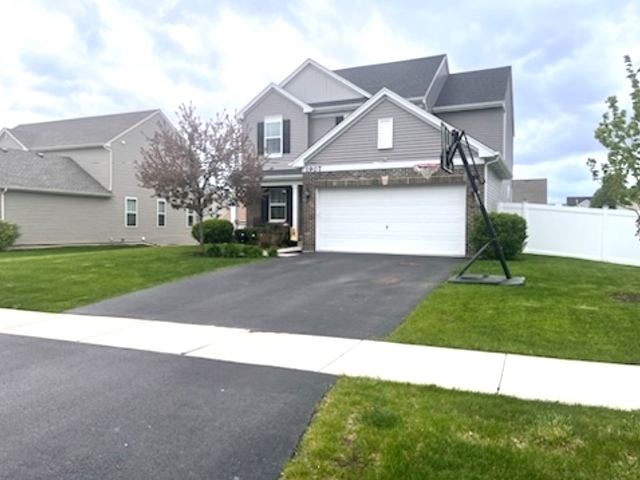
(536, 378)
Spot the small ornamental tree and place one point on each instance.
(204, 166)
(619, 133)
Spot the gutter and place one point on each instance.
(2, 200)
(107, 147)
(56, 191)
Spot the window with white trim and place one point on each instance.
(277, 205)
(385, 133)
(190, 217)
(161, 213)
(273, 135)
(131, 212)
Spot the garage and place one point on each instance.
(412, 220)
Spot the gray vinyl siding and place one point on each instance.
(508, 154)
(493, 187)
(319, 126)
(484, 125)
(95, 161)
(275, 104)
(313, 86)
(438, 83)
(46, 219)
(413, 139)
(8, 142)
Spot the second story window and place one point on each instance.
(273, 136)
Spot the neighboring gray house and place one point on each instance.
(579, 202)
(342, 146)
(530, 190)
(73, 181)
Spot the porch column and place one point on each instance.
(295, 201)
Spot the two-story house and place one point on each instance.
(73, 181)
(343, 146)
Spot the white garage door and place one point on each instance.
(416, 220)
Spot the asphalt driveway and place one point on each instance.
(71, 411)
(342, 295)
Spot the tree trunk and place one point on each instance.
(201, 230)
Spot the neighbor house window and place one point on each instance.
(273, 136)
(385, 133)
(131, 212)
(190, 218)
(277, 205)
(162, 213)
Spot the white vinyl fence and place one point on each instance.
(605, 235)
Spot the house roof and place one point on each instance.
(345, 81)
(31, 171)
(430, 119)
(275, 88)
(479, 86)
(408, 78)
(78, 131)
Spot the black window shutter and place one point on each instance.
(286, 136)
(289, 214)
(260, 138)
(264, 209)
(339, 118)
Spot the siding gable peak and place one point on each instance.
(6, 133)
(325, 71)
(382, 95)
(276, 88)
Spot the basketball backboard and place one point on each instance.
(446, 151)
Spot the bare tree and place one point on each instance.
(204, 166)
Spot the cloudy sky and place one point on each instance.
(71, 58)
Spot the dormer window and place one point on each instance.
(273, 136)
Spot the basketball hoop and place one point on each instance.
(427, 170)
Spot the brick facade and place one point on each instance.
(375, 178)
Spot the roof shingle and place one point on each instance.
(30, 170)
(480, 86)
(77, 131)
(408, 78)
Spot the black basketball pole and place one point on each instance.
(473, 180)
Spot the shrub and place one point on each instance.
(246, 236)
(273, 236)
(234, 250)
(9, 233)
(216, 230)
(511, 230)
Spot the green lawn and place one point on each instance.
(368, 429)
(567, 309)
(57, 279)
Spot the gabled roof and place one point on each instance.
(86, 131)
(428, 118)
(477, 87)
(31, 171)
(345, 81)
(408, 78)
(7, 132)
(276, 88)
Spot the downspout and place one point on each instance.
(107, 147)
(486, 173)
(2, 197)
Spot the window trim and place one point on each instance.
(189, 214)
(161, 201)
(274, 119)
(385, 133)
(278, 204)
(127, 212)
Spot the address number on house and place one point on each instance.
(312, 169)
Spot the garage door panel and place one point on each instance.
(425, 220)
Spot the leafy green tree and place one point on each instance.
(619, 133)
(603, 196)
